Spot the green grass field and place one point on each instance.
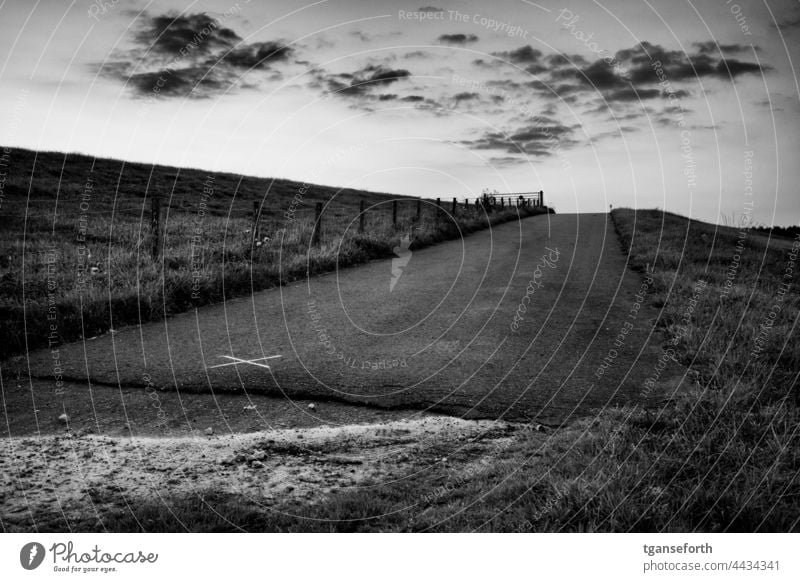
(76, 240)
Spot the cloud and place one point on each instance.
(257, 55)
(540, 139)
(190, 56)
(527, 57)
(360, 82)
(523, 55)
(599, 75)
(679, 66)
(465, 96)
(506, 161)
(735, 67)
(711, 47)
(430, 9)
(642, 94)
(458, 38)
(168, 34)
(195, 82)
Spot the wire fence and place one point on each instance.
(155, 218)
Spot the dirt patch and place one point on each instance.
(77, 477)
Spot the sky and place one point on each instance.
(693, 107)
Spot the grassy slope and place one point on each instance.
(46, 200)
(723, 456)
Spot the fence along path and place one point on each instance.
(398, 211)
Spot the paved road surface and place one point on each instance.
(441, 339)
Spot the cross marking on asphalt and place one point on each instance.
(253, 362)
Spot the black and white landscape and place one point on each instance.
(380, 267)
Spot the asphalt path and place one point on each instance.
(434, 329)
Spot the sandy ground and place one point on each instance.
(80, 476)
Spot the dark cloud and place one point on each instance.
(258, 55)
(523, 55)
(431, 9)
(642, 94)
(599, 75)
(634, 65)
(413, 98)
(191, 56)
(458, 38)
(169, 34)
(193, 82)
(679, 66)
(631, 94)
(558, 60)
(540, 139)
(711, 47)
(526, 57)
(735, 67)
(465, 96)
(360, 82)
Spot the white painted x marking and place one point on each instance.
(253, 362)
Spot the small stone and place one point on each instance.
(312, 406)
(209, 431)
(257, 465)
(64, 418)
(250, 407)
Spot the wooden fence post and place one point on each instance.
(256, 221)
(419, 209)
(438, 208)
(315, 237)
(361, 217)
(156, 229)
(454, 207)
(394, 213)
(541, 197)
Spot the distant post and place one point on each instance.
(315, 237)
(454, 207)
(361, 217)
(502, 203)
(394, 213)
(541, 197)
(419, 209)
(438, 208)
(156, 229)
